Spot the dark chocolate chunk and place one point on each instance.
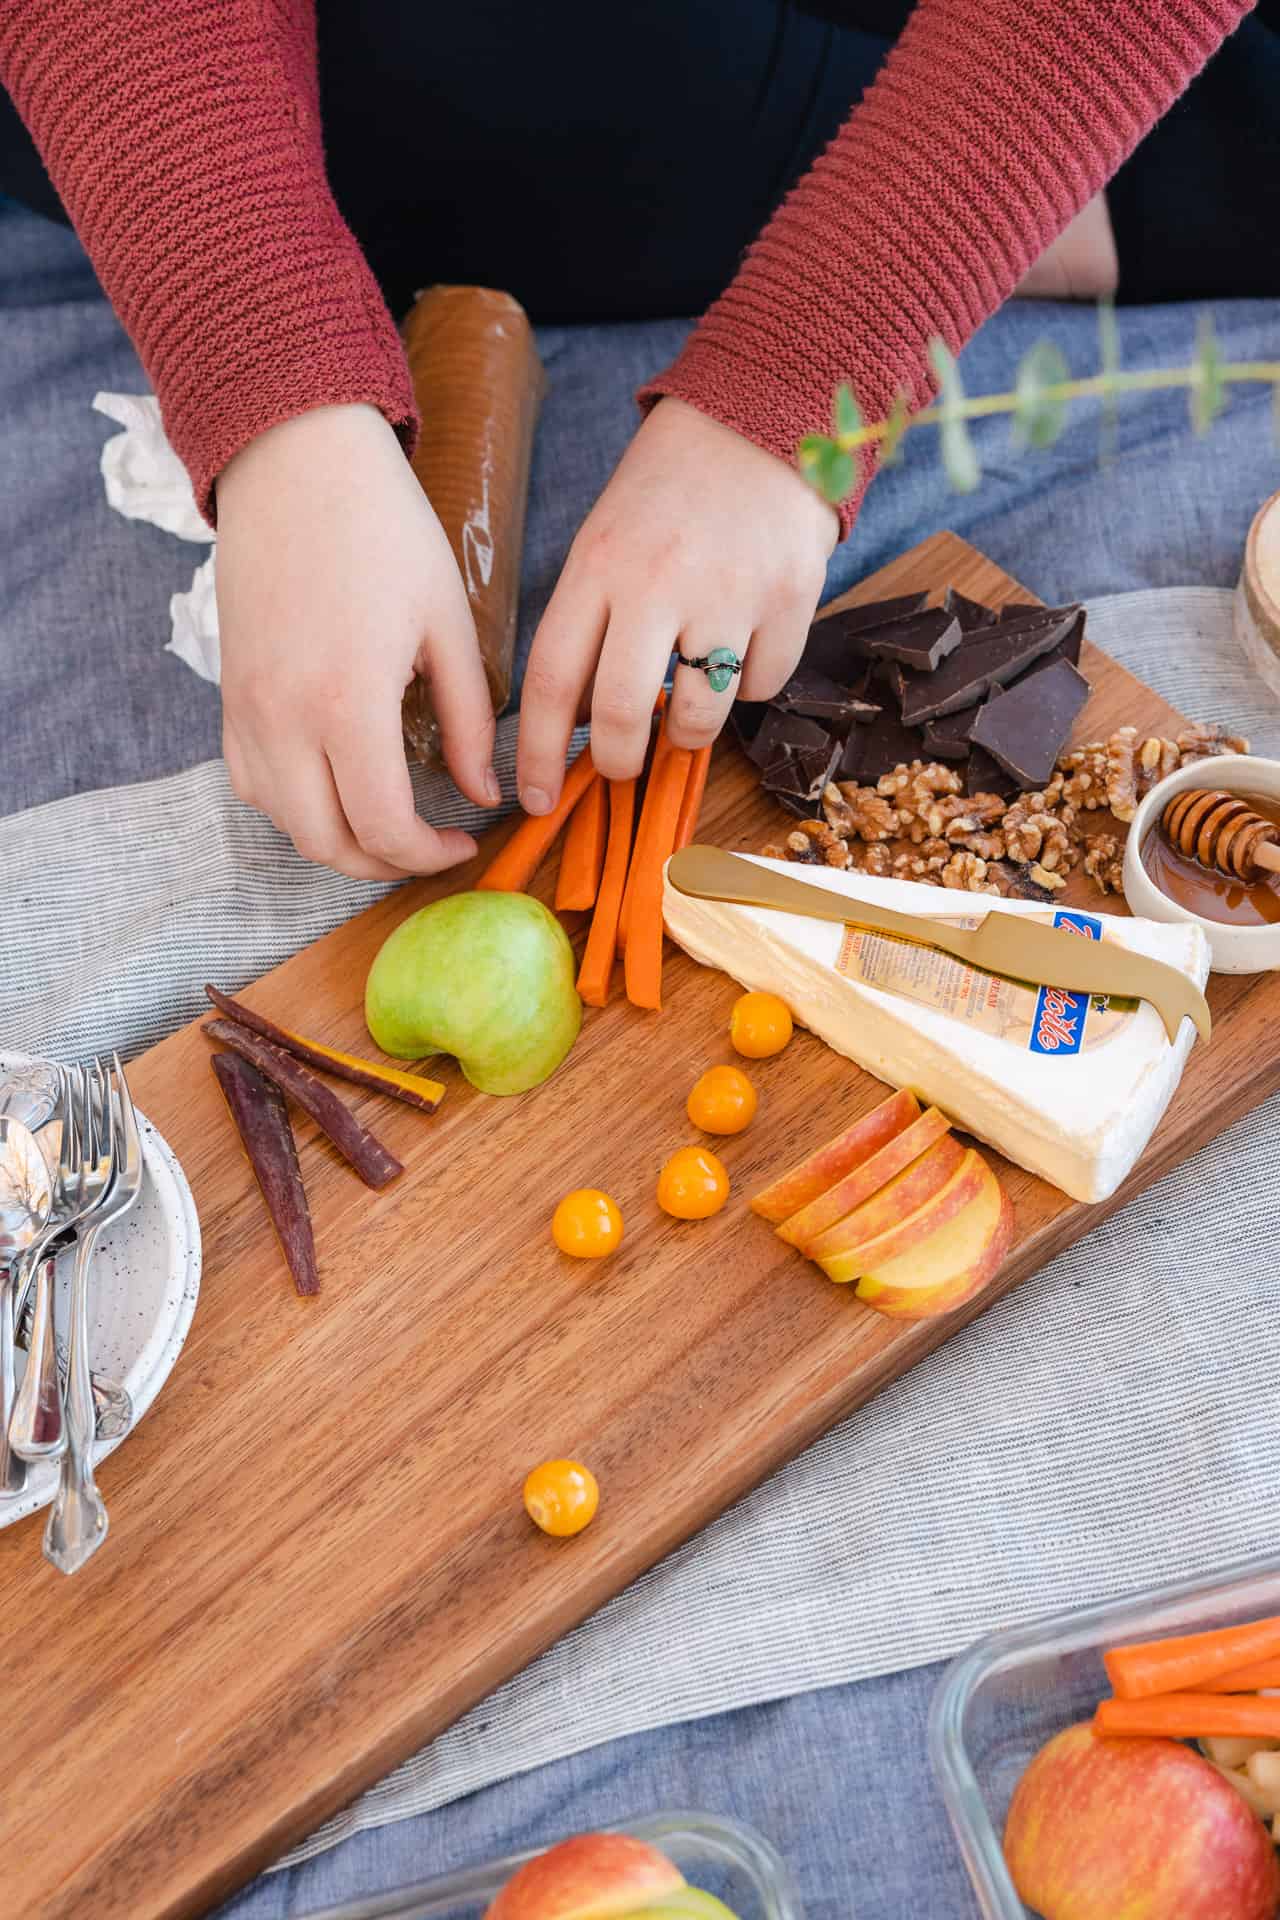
(1069, 647)
(879, 748)
(988, 659)
(1026, 727)
(920, 641)
(970, 613)
(833, 646)
(982, 774)
(800, 784)
(812, 694)
(783, 733)
(1013, 608)
(746, 717)
(949, 739)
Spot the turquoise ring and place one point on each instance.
(719, 665)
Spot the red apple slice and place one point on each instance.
(803, 1228)
(961, 1182)
(939, 1273)
(839, 1157)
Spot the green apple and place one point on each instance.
(488, 977)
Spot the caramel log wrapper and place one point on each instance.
(375, 1164)
(262, 1121)
(479, 385)
(413, 1088)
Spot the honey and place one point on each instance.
(1205, 891)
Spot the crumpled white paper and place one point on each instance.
(145, 480)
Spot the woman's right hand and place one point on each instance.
(336, 584)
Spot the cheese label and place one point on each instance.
(1042, 1020)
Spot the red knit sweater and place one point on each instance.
(184, 138)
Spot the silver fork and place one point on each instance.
(35, 1417)
(36, 1429)
(112, 1400)
(77, 1524)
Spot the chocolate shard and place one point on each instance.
(1068, 648)
(970, 613)
(781, 734)
(262, 1120)
(982, 774)
(834, 647)
(920, 641)
(746, 717)
(879, 748)
(1026, 728)
(371, 1160)
(806, 773)
(948, 739)
(810, 693)
(988, 659)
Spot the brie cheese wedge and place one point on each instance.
(1068, 1087)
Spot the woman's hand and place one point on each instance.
(335, 584)
(700, 540)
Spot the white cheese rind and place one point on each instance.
(1080, 1121)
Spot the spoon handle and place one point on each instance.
(35, 1425)
(13, 1472)
(77, 1524)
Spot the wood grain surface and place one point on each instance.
(318, 1556)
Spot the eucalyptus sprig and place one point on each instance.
(1042, 391)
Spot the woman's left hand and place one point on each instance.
(700, 540)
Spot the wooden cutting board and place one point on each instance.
(318, 1556)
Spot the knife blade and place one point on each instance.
(1007, 944)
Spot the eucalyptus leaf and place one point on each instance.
(827, 467)
(1208, 393)
(959, 455)
(1038, 412)
(894, 428)
(848, 415)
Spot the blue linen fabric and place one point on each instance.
(836, 1778)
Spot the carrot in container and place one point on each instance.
(1184, 1663)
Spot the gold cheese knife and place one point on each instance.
(1003, 943)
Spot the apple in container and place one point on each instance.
(603, 1876)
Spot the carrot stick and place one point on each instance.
(643, 961)
(1264, 1673)
(662, 747)
(582, 859)
(691, 805)
(1191, 1716)
(596, 972)
(513, 866)
(1181, 1665)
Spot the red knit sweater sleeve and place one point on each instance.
(184, 138)
(991, 124)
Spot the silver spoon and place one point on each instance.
(26, 1195)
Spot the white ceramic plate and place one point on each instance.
(146, 1279)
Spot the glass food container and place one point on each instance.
(997, 1704)
(717, 1855)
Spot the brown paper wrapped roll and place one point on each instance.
(479, 385)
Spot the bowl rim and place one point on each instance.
(1231, 769)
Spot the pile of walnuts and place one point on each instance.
(916, 823)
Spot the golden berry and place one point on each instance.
(722, 1101)
(561, 1497)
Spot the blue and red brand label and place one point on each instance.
(1057, 1026)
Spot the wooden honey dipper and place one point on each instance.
(1221, 830)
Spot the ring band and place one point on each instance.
(719, 665)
